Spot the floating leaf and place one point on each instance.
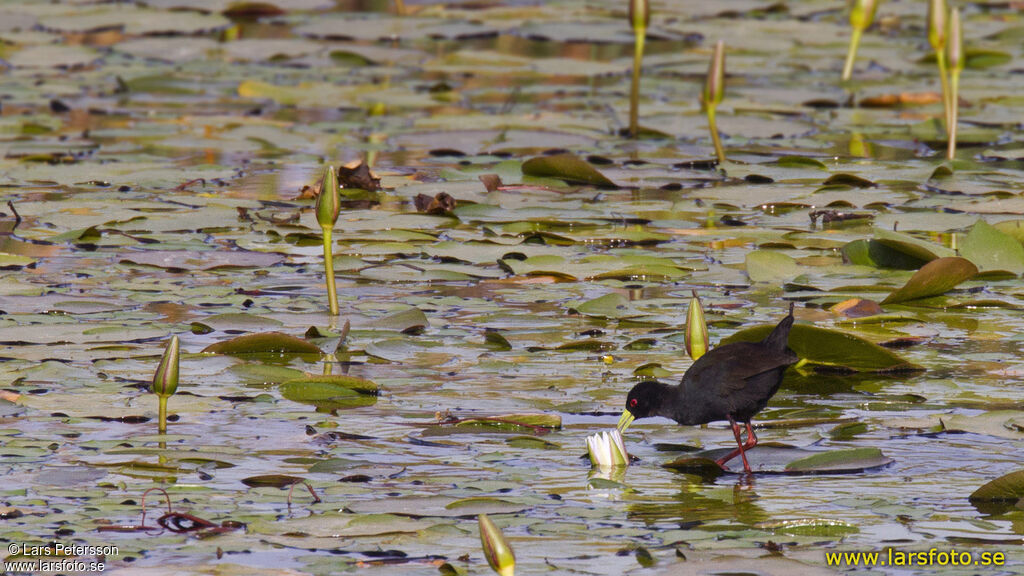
(831, 348)
(801, 162)
(912, 246)
(263, 343)
(703, 467)
(990, 249)
(1006, 488)
(496, 341)
(612, 305)
(842, 179)
(409, 321)
(553, 421)
(568, 167)
(771, 266)
(330, 392)
(934, 278)
(840, 460)
(1013, 228)
(880, 255)
(326, 381)
(271, 481)
(809, 527)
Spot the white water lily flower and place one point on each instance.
(607, 449)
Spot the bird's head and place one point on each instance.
(641, 402)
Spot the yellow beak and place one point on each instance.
(625, 420)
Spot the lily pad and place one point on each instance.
(263, 343)
(309, 386)
(990, 249)
(934, 278)
(912, 246)
(1006, 488)
(832, 348)
(771, 266)
(568, 167)
(853, 459)
(330, 392)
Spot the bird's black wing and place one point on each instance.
(725, 375)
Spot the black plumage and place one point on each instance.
(732, 382)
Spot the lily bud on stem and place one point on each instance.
(639, 19)
(937, 16)
(497, 551)
(328, 205)
(696, 329)
(713, 94)
(955, 57)
(165, 380)
(861, 15)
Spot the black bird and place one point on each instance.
(732, 382)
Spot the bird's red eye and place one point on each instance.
(633, 403)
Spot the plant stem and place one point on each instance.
(940, 58)
(332, 293)
(634, 93)
(715, 139)
(954, 109)
(400, 7)
(851, 54)
(162, 419)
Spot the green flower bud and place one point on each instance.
(863, 13)
(955, 48)
(639, 14)
(937, 13)
(497, 551)
(714, 83)
(328, 204)
(165, 381)
(696, 334)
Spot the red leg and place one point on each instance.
(741, 447)
(751, 438)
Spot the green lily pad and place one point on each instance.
(990, 249)
(263, 343)
(271, 481)
(839, 460)
(1006, 488)
(801, 162)
(771, 266)
(912, 246)
(411, 320)
(832, 348)
(934, 278)
(1012, 228)
(14, 260)
(330, 392)
(320, 384)
(568, 167)
(612, 305)
(864, 252)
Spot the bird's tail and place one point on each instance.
(779, 337)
